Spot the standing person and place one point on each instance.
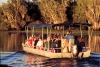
(70, 39)
(80, 45)
(69, 35)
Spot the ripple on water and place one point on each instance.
(22, 59)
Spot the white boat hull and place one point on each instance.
(56, 55)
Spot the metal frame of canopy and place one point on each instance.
(61, 24)
(70, 24)
(39, 26)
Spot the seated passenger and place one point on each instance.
(59, 44)
(31, 42)
(39, 44)
(27, 43)
(36, 39)
(45, 44)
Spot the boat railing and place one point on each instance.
(54, 50)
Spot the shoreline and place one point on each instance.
(77, 32)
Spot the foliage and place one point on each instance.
(53, 11)
(88, 11)
(79, 11)
(15, 14)
(93, 13)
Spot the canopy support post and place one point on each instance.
(26, 28)
(42, 32)
(63, 31)
(33, 32)
(81, 30)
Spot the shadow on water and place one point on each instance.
(2, 65)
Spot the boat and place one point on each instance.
(50, 53)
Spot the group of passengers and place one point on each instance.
(55, 42)
(73, 44)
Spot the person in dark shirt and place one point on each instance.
(80, 46)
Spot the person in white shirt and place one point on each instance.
(39, 43)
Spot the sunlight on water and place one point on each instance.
(22, 59)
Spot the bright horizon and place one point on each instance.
(3, 1)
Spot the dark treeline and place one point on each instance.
(16, 14)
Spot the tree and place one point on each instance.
(79, 11)
(93, 13)
(53, 11)
(18, 13)
(88, 11)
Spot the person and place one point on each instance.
(31, 42)
(55, 45)
(39, 44)
(80, 45)
(69, 35)
(70, 39)
(59, 43)
(45, 44)
(27, 43)
(36, 39)
(65, 46)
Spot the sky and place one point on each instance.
(2, 1)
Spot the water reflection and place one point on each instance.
(11, 41)
(39, 61)
(22, 59)
(32, 60)
(95, 43)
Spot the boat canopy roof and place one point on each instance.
(39, 25)
(67, 24)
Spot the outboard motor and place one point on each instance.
(74, 50)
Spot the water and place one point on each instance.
(11, 54)
(22, 59)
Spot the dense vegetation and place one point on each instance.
(16, 14)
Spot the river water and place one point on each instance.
(11, 53)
